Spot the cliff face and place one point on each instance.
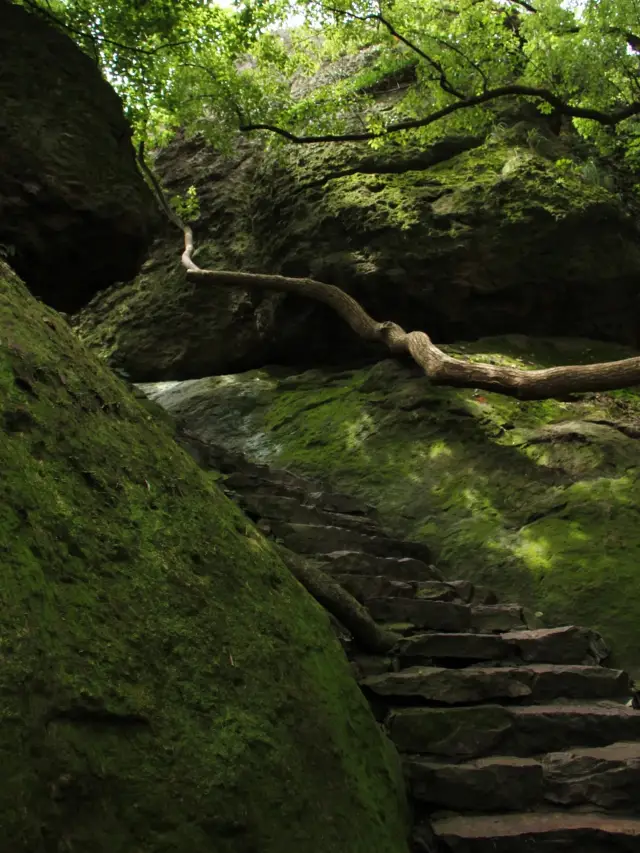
(516, 233)
(75, 214)
(166, 684)
(538, 500)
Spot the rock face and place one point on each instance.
(75, 214)
(504, 748)
(465, 236)
(161, 327)
(538, 500)
(166, 684)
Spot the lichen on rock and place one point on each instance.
(165, 683)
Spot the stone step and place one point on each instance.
(363, 664)
(321, 539)
(422, 613)
(558, 645)
(283, 508)
(486, 619)
(486, 784)
(538, 832)
(472, 593)
(405, 569)
(465, 591)
(444, 591)
(605, 777)
(366, 587)
(497, 618)
(479, 730)
(337, 502)
(568, 645)
(535, 682)
(258, 480)
(452, 646)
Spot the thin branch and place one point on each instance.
(454, 47)
(606, 119)
(437, 66)
(98, 38)
(443, 81)
(170, 213)
(525, 5)
(141, 50)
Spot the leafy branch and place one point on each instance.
(98, 39)
(546, 95)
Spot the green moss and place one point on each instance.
(380, 201)
(165, 684)
(511, 183)
(538, 500)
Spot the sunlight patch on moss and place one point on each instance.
(438, 449)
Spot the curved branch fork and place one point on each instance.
(440, 368)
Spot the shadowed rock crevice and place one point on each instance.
(75, 213)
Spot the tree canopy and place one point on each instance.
(310, 70)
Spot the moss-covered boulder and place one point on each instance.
(539, 500)
(518, 233)
(165, 684)
(160, 326)
(71, 198)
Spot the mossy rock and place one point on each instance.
(459, 236)
(165, 683)
(73, 200)
(538, 500)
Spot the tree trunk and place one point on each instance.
(369, 636)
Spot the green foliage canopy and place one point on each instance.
(361, 68)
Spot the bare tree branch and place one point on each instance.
(607, 119)
(173, 217)
(440, 368)
(368, 635)
(454, 47)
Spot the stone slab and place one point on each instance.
(544, 832)
(437, 615)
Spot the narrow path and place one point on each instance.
(513, 738)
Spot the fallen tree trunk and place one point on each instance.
(352, 615)
(440, 368)
(368, 635)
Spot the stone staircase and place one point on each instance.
(513, 737)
